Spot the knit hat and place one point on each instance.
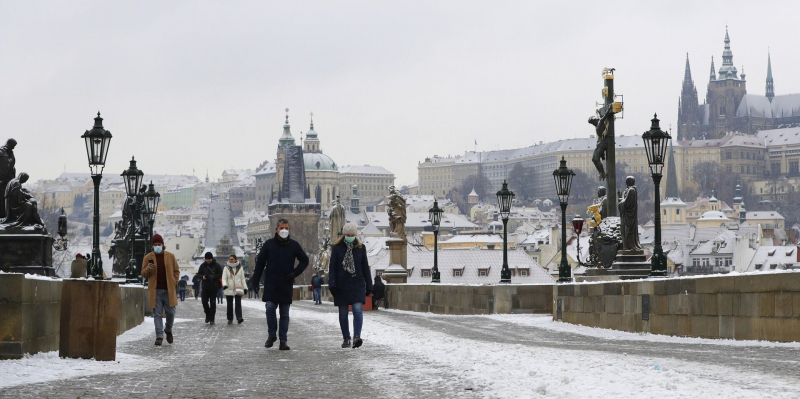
(157, 239)
(78, 256)
(209, 255)
(350, 229)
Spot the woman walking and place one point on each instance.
(235, 287)
(350, 283)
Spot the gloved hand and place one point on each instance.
(290, 277)
(334, 291)
(369, 292)
(224, 287)
(245, 291)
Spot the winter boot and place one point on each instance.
(357, 342)
(169, 336)
(270, 342)
(284, 347)
(159, 341)
(346, 343)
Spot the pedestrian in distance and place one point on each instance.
(316, 286)
(378, 292)
(210, 273)
(275, 262)
(220, 293)
(349, 281)
(196, 285)
(235, 287)
(182, 283)
(78, 267)
(161, 270)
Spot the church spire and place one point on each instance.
(286, 138)
(687, 73)
(770, 83)
(727, 70)
(713, 75)
(672, 175)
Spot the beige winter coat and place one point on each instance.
(231, 276)
(151, 274)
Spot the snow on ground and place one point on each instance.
(47, 366)
(526, 370)
(546, 322)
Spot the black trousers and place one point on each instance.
(209, 297)
(231, 300)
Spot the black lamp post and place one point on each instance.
(577, 227)
(504, 197)
(563, 179)
(435, 215)
(97, 142)
(62, 244)
(133, 179)
(152, 199)
(655, 143)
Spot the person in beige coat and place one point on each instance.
(161, 271)
(78, 267)
(234, 287)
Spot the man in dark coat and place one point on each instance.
(210, 273)
(316, 286)
(350, 282)
(378, 292)
(275, 262)
(196, 285)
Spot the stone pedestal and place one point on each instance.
(122, 255)
(397, 272)
(628, 265)
(89, 311)
(26, 253)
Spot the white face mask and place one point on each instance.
(283, 234)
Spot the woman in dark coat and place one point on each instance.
(350, 282)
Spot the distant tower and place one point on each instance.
(672, 175)
(354, 206)
(312, 144)
(687, 106)
(206, 175)
(770, 84)
(713, 75)
(284, 142)
(725, 93)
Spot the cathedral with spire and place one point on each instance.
(727, 107)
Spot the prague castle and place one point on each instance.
(728, 107)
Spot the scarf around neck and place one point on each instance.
(348, 263)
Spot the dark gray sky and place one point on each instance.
(201, 85)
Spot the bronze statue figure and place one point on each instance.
(8, 170)
(629, 226)
(21, 209)
(601, 127)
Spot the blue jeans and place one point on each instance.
(162, 306)
(196, 290)
(317, 294)
(358, 320)
(182, 293)
(272, 320)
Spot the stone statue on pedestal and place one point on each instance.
(629, 225)
(600, 127)
(21, 209)
(8, 170)
(397, 213)
(337, 219)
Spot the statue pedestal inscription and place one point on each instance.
(26, 253)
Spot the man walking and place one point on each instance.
(316, 286)
(210, 273)
(275, 262)
(196, 285)
(182, 288)
(161, 271)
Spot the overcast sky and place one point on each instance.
(196, 85)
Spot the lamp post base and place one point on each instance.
(505, 275)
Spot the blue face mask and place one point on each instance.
(349, 239)
(158, 249)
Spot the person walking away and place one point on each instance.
(275, 262)
(78, 269)
(182, 289)
(210, 273)
(219, 293)
(161, 270)
(349, 281)
(196, 285)
(316, 285)
(235, 287)
(378, 292)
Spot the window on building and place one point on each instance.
(523, 273)
(456, 273)
(677, 211)
(483, 273)
(177, 246)
(793, 167)
(775, 168)
(426, 273)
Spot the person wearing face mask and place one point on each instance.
(349, 281)
(235, 287)
(275, 262)
(210, 273)
(161, 271)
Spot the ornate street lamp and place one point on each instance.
(577, 227)
(435, 214)
(152, 199)
(504, 197)
(63, 243)
(97, 142)
(563, 179)
(133, 179)
(655, 144)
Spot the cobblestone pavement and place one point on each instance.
(231, 361)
